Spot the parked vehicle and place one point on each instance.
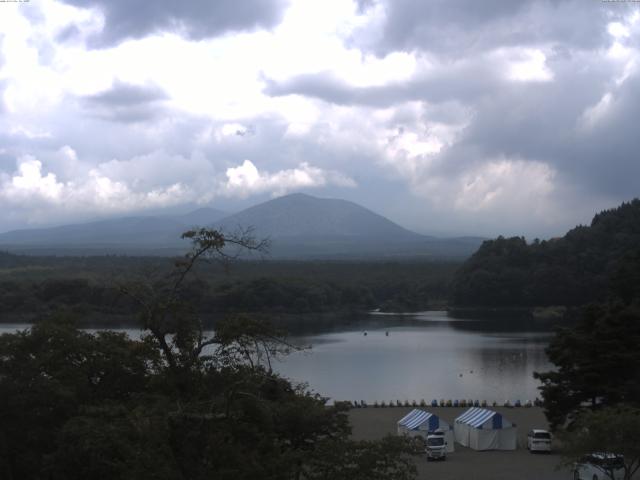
(599, 466)
(539, 441)
(436, 446)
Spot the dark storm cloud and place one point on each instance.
(126, 103)
(196, 19)
(546, 122)
(465, 26)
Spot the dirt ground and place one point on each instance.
(465, 463)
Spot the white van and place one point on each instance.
(539, 441)
(597, 467)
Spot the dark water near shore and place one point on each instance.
(424, 356)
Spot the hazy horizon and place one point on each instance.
(179, 210)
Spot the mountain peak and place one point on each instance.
(298, 195)
(302, 215)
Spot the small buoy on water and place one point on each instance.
(387, 334)
(365, 334)
(460, 375)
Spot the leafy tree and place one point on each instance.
(113, 442)
(597, 363)
(362, 460)
(614, 430)
(625, 282)
(49, 373)
(176, 404)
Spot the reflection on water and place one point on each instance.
(423, 356)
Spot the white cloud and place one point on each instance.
(229, 129)
(246, 179)
(502, 195)
(42, 197)
(596, 113)
(526, 65)
(159, 168)
(220, 77)
(28, 183)
(24, 131)
(413, 145)
(511, 184)
(507, 185)
(618, 30)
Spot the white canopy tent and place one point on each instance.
(420, 423)
(483, 429)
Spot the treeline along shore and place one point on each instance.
(91, 287)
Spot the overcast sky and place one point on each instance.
(449, 117)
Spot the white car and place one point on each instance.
(539, 441)
(599, 466)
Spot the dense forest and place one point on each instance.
(177, 403)
(91, 286)
(591, 397)
(579, 268)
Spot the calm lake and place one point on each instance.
(422, 356)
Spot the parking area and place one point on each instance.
(464, 463)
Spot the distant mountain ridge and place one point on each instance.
(298, 225)
(139, 230)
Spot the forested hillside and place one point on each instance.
(586, 265)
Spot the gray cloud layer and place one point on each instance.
(462, 27)
(194, 19)
(465, 81)
(126, 103)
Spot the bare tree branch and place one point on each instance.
(176, 328)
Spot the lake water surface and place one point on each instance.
(424, 356)
(414, 357)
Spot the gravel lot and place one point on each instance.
(465, 463)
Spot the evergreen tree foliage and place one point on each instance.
(597, 363)
(573, 270)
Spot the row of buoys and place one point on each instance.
(446, 403)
